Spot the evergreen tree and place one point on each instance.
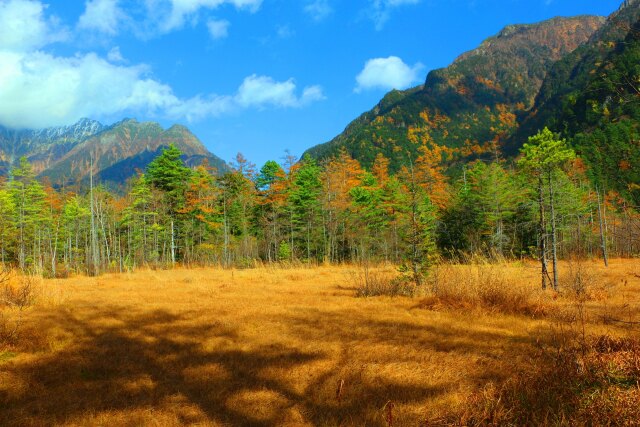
(29, 200)
(543, 157)
(305, 203)
(168, 173)
(138, 219)
(8, 216)
(75, 226)
(419, 222)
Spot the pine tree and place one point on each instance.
(168, 173)
(29, 199)
(544, 156)
(8, 229)
(75, 228)
(368, 217)
(340, 174)
(305, 203)
(137, 220)
(419, 225)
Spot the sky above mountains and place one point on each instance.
(250, 76)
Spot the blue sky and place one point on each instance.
(250, 76)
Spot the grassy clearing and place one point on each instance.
(295, 346)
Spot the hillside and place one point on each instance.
(471, 103)
(63, 155)
(592, 98)
(573, 73)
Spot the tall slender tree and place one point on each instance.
(544, 156)
(168, 173)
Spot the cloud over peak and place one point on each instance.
(387, 73)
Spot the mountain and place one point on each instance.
(43, 147)
(473, 103)
(592, 97)
(63, 155)
(573, 73)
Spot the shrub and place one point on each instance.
(284, 251)
(16, 294)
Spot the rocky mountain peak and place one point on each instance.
(84, 128)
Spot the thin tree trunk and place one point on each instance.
(603, 239)
(543, 236)
(554, 236)
(95, 256)
(226, 231)
(173, 245)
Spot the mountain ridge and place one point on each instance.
(63, 154)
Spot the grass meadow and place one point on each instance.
(277, 346)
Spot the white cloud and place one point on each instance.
(318, 10)
(380, 10)
(181, 10)
(219, 29)
(39, 89)
(387, 73)
(312, 94)
(23, 26)
(114, 55)
(104, 16)
(156, 17)
(46, 90)
(261, 91)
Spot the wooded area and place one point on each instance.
(542, 206)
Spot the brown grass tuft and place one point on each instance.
(498, 287)
(373, 282)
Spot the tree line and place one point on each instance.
(541, 206)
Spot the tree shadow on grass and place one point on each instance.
(400, 352)
(121, 360)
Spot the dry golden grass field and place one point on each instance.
(295, 346)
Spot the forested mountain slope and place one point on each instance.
(592, 97)
(473, 103)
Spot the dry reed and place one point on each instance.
(498, 287)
